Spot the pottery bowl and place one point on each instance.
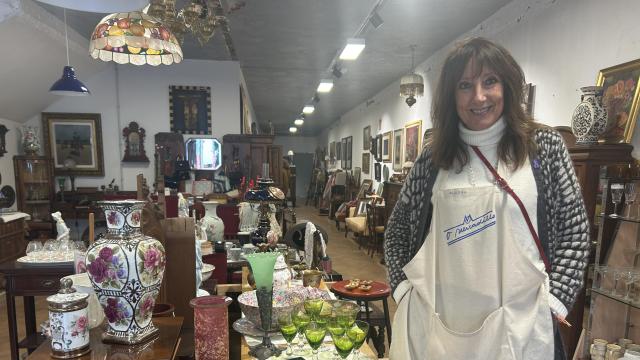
(284, 301)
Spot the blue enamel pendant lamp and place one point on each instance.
(68, 84)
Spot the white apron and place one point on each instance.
(471, 292)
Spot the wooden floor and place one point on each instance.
(346, 257)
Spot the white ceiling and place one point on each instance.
(286, 46)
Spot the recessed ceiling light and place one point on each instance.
(353, 49)
(299, 122)
(308, 109)
(325, 85)
(293, 129)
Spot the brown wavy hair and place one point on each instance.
(517, 142)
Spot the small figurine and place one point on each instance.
(61, 227)
(183, 206)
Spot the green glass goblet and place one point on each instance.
(315, 334)
(300, 319)
(335, 329)
(347, 315)
(358, 334)
(313, 307)
(288, 330)
(344, 345)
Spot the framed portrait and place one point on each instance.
(366, 138)
(387, 141)
(377, 171)
(412, 140)
(620, 96)
(366, 163)
(332, 150)
(397, 149)
(528, 98)
(343, 156)
(379, 147)
(348, 149)
(74, 142)
(190, 109)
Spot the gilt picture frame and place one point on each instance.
(412, 140)
(397, 149)
(74, 142)
(387, 142)
(620, 96)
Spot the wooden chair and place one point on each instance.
(376, 228)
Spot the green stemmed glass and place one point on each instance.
(347, 315)
(344, 345)
(313, 307)
(300, 320)
(335, 329)
(358, 334)
(288, 330)
(315, 334)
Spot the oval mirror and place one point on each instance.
(204, 154)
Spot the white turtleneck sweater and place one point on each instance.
(475, 173)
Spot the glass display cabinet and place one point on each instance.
(35, 187)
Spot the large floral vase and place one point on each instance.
(214, 226)
(589, 120)
(126, 269)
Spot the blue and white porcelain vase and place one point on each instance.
(126, 270)
(589, 119)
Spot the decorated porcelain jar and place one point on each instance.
(126, 269)
(589, 119)
(281, 273)
(68, 322)
(214, 227)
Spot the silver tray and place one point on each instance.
(246, 327)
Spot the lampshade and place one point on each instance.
(68, 84)
(136, 38)
(262, 265)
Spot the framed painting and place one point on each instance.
(74, 142)
(343, 156)
(366, 162)
(620, 96)
(348, 149)
(339, 152)
(190, 109)
(412, 140)
(379, 148)
(332, 150)
(387, 141)
(397, 150)
(377, 171)
(366, 138)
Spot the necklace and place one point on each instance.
(471, 174)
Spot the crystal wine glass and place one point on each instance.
(288, 330)
(630, 276)
(358, 334)
(617, 275)
(616, 196)
(315, 334)
(629, 197)
(34, 246)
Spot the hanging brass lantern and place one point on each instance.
(412, 84)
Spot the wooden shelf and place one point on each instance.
(37, 182)
(36, 202)
(615, 298)
(620, 218)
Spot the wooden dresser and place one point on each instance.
(12, 242)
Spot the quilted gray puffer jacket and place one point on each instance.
(563, 226)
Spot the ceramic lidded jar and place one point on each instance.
(281, 273)
(69, 322)
(589, 119)
(126, 270)
(214, 227)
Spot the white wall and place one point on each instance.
(561, 46)
(141, 94)
(298, 144)
(6, 161)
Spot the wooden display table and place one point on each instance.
(29, 281)
(163, 347)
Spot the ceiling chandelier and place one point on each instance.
(196, 17)
(412, 84)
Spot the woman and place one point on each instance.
(489, 238)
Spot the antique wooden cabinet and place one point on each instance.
(35, 190)
(248, 153)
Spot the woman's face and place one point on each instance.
(479, 97)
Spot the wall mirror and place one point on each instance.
(204, 153)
